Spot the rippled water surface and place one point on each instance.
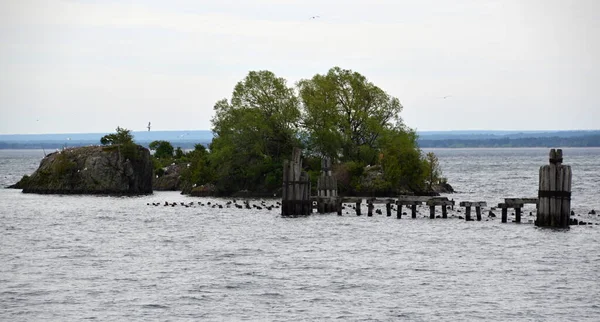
(107, 258)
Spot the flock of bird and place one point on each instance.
(262, 204)
(245, 204)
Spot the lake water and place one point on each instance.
(65, 258)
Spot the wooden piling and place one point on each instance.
(370, 208)
(388, 208)
(554, 206)
(296, 187)
(327, 193)
(414, 212)
(504, 214)
(438, 201)
(399, 211)
(476, 204)
(517, 214)
(358, 202)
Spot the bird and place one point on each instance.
(445, 97)
(315, 17)
(148, 126)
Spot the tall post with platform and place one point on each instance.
(554, 208)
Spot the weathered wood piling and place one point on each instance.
(517, 204)
(327, 193)
(295, 195)
(412, 201)
(438, 201)
(476, 204)
(554, 193)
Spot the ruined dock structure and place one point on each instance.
(553, 203)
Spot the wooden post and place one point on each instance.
(399, 211)
(504, 214)
(444, 212)
(478, 213)
(432, 212)
(339, 207)
(468, 213)
(295, 196)
(388, 208)
(554, 204)
(358, 207)
(327, 188)
(517, 214)
(414, 211)
(370, 208)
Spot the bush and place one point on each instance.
(123, 136)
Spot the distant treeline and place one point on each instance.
(506, 142)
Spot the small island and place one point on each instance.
(119, 167)
(338, 116)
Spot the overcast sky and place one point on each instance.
(90, 66)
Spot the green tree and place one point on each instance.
(198, 171)
(179, 153)
(401, 160)
(162, 149)
(434, 171)
(254, 131)
(345, 114)
(122, 136)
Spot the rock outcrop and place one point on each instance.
(115, 170)
(169, 178)
(443, 187)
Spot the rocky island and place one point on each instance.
(114, 169)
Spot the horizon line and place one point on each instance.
(417, 130)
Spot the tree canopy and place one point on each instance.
(162, 149)
(254, 131)
(345, 114)
(339, 114)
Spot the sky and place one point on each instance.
(90, 66)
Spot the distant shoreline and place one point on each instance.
(427, 139)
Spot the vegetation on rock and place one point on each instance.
(122, 136)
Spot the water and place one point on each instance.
(69, 258)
